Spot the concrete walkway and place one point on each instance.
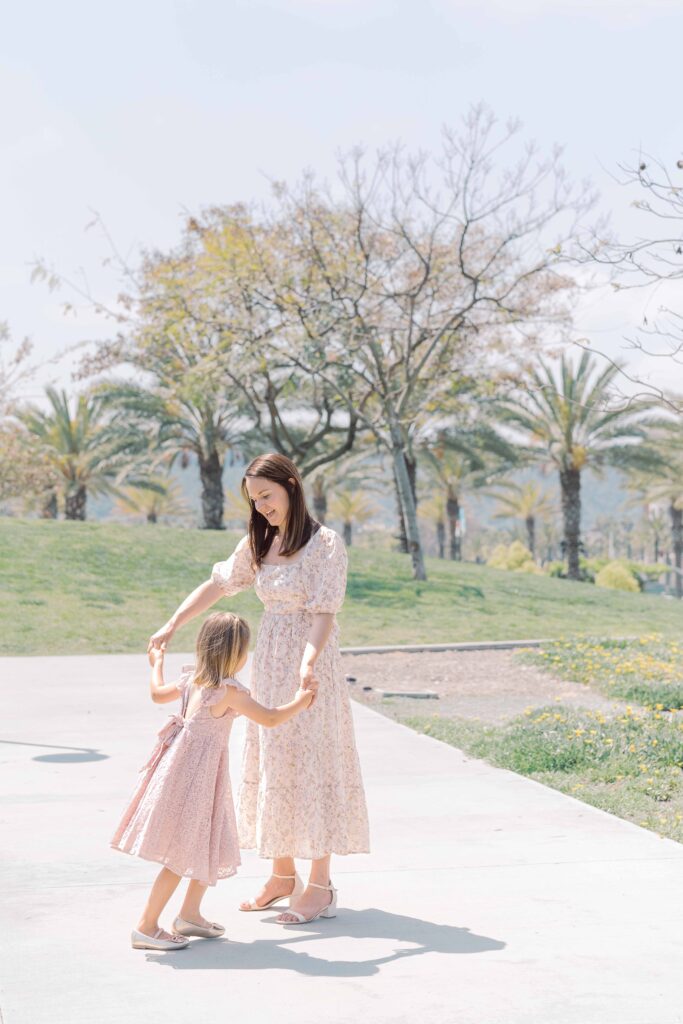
(487, 899)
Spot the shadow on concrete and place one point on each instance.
(76, 755)
(280, 953)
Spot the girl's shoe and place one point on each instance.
(141, 941)
(183, 927)
(298, 888)
(329, 911)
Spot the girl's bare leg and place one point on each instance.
(191, 908)
(276, 886)
(164, 886)
(312, 900)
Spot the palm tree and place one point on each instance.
(527, 502)
(662, 488)
(87, 449)
(570, 424)
(434, 511)
(165, 501)
(319, 496)
(353, 508)
(185, 420)
(460, 461)
(348, 477)
(237, 511)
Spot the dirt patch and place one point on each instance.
(491, 686)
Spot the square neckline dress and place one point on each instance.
(181, 813)
(301, 792)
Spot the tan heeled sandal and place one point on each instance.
(298, 888)
(329, 911)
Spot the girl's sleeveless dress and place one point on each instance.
(301, 793)
(181, 813)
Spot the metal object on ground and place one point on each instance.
(417, 694)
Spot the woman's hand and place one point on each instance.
(308, 694)
(307, 679)
(162, 636)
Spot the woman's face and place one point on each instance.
(270, 499)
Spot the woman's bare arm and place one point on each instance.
(203, 597)
(318, 636)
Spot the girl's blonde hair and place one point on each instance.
(221, 643)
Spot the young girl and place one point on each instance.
(181, 813)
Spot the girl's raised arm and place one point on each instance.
(159, 691)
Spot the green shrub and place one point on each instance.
(498, 557)
(617, 576)
(516, 558)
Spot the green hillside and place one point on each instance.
(77, 588)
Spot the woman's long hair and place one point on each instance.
(300, 523)
(222, 641)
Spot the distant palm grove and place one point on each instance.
(406, 338)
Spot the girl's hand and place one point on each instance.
(156, 654)
(162, 636)
(307, 679)
(307, 695)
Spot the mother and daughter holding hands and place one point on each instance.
(301, 792)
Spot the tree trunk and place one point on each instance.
(656, 548)
(441, 538)
(570, 486)
(411, 466)
(401, 537)
(408, 506)
(453, 514)
(74, 504)
(320, 507)
(50, 509)
(348, 534)
(677, 545)
(531, 535)
(211, 473)
(151, 517)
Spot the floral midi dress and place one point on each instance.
(301, 793)
(181, 812)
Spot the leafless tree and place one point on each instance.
(416, 271)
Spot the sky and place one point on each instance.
(143, 111)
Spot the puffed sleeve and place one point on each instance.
(215, 694)
(325, 578)
(237, 573)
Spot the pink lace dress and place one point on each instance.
(301, 793)
(181, 813)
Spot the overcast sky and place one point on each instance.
(142, 110)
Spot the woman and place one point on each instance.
(301, 793)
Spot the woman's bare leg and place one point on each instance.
(312, 900)
(164, 886)
(275, 886)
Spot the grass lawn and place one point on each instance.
(628, 761)
(628, 764)
(647, 670)
(80, 588)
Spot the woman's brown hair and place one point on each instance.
(300, 523)
(222, 641)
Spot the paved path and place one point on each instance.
(488, 899)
